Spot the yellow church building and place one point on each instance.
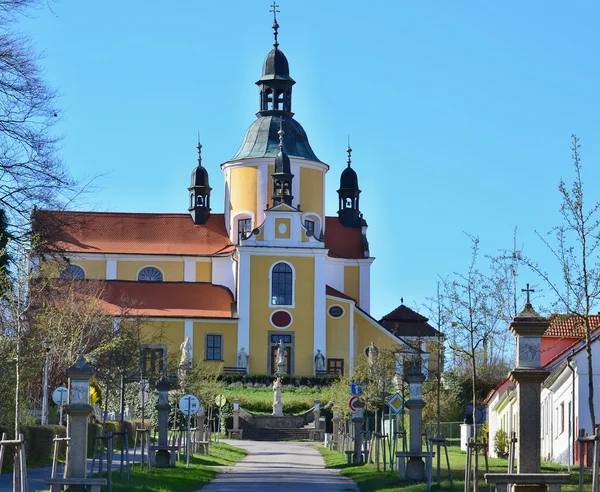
(271, 267)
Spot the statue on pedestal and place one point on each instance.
(280, 358)
(185, 361)
(242, 361)
(319, 362)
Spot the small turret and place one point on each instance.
(282, 177)
(349, 211)
(199, 192)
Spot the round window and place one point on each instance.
(336, 311)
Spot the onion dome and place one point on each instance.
(349, 195)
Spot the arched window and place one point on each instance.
(150, 274)
(73, 272)
(282, 285)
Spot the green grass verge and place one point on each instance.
(260, 400)
(369, 479)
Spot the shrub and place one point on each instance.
(500, 442)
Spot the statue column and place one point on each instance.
(163, 457)
(415, 469)
(528, 327)
(336, 426)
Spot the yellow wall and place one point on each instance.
(169, 333)
(338, 333)
(311, 190)
(365, 333)
(244, 186)
(302, 313)
(229, 332)
(203, 271)
(287, 233)
(172, 270)
(351, 281)
(95, 269)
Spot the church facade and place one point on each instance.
(271, 268)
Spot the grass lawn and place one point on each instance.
(369, 479)
(260, 400)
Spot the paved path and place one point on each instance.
(283, 466)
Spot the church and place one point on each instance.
(271, 267)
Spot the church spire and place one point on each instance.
(275, 24)
(349, 211)
(282, 177)
(199, 191)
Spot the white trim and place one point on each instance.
(243, 296)
(237, 216)
(351, 342)
(136, 257)
(316, 218)
(262, 194)
(162, 319)
(281, 327)
(351, 261)
(227, 194)
(111, 269)
(189, 270)
(293, 304)
(294, 161)
(223, 273)
(320, 308)
(150, 266)
(279, 251)
(188, 331)
(364, 286)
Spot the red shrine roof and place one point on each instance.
(132, 233)
(157, 299)
(564, 326)
(330, 291)
(343, 242)
(404, 322)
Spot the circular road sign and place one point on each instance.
(351, 402)
(220, 400)
(59, 396)
(189, 405)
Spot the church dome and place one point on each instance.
(199, 177)
(276, 66)
(261, 139)
(349, 179)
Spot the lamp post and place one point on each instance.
(46, 345)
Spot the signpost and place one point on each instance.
(352, 402)
(356, 389)
(59, 397)
(189, 405)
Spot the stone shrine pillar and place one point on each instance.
(358, 419)
(236, 414)
(336, 426)
(415, 468)
(317, 414)
(78, 411)
(163, 456)
(528, 327)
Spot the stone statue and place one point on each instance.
(242, 359)
(319, 361)
(277, 403)
(280, 354)
(185, 361)
(372, 354)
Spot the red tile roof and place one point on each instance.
(564, 326)
(165, 299)
(343, 242)
(330, 291)
(404, 322)
(132, 233)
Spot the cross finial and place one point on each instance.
(275, 24)
(199, 147)
(528, 291)
(402, 300)
(281, 133)
(349, 150)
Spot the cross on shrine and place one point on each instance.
(528, 291)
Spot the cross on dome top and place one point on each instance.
(275, 24)
(528, 291)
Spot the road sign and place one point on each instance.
(189, 405)
(351, 402)
(396, 403)
(220, 400)
(59, 396)
(356, 389)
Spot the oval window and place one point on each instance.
(336, 311)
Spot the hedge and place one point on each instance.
(39, 444)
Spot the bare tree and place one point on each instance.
(575, 247)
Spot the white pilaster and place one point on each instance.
(263, 188)
(320, 322)
(364, 294)
(243, 295)
(189, 270)
(111, 269)
(188, 332)
(227, 202)
(223, 272)
(335, 274)
(351, 340)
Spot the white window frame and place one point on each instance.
(293, 304)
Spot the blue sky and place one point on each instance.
(459, 113)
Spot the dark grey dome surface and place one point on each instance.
(276, 66)
(349, 179)
(262, 140)
(282, 163)
(199, 177)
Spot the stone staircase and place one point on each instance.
(256, 434)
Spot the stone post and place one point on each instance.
(163, 456)
(236, 414)
(317, 414)
(528, 327)
(336, 426)
(415, 468)
(358, 419)
(78, 411)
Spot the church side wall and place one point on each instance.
(311, 191)
(352, 281)
(94, 269)
(302, 313)
(167, 332)
(228, 330)
(365, 333)
(172, 270)
(338, 333)
(243, 185)
(203, 271)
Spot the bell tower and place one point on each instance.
(349, 195)
(199, 190)
(282, 177)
